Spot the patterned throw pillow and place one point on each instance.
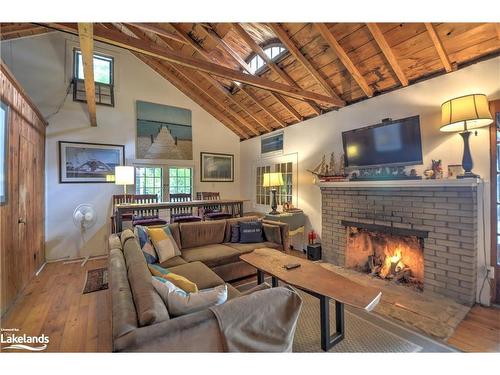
(235, 233)
(251, 232)
(164, 243)
(145, 244)
(178, 280)
(180, 303)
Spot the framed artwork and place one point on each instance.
(163, 132)
(81, 162)
(455, 170)
(4, 135)
(217, 167)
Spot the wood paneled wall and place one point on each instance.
(22, 216)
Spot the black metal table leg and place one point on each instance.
(260, 277)
(327, 341)
(274, 282)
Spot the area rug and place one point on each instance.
(364, 332)
(96, 279)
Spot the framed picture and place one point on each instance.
(89, 162)
(217, 167)
(4, 134)
(455, 170)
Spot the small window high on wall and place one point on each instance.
(274, 51)
(103, 78)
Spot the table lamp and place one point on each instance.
(124, 175)
(463, 114)
(273, 180)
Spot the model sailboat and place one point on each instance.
(330, 171)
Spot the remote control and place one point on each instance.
(291, 266)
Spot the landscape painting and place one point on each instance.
(89, 162)
(217, 167)
(163, 132)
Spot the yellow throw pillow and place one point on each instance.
(164, 243)
(178, 280)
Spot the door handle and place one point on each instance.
(21, 221)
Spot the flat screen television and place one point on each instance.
(390, 143)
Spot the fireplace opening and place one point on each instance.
(389, 256)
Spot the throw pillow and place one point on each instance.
(178, 280)
(179, 302)
(251, 232)
(272, 233)
(164, 243)
(145, 244)
(235, 233)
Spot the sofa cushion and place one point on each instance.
(200, 234)
(174, 229)
(211, 255)
(181, 303)
(272, 233)
(172, 262)
(244, 248)
(150, 307)
(251, 232)
(199, 274)
(164, 243)
(236, 220)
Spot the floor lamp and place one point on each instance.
(273, 180)
(464, 114)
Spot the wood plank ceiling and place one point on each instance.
(327, 66)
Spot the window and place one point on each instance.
(103, 77)
(3, 151)
(273, 50)
(180, 180)
(263, 193)
(149, 180)
(284, 193)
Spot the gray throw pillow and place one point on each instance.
(235, 233)
(251, 232)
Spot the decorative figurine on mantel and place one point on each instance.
(331, 171)
(435, 172)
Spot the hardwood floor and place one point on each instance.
(479, 331)
(53, 304)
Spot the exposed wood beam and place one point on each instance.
(439, 46)
(87, 47)
(121, 40)
(158, 31)
(292, 48)
(196, 97)
(387, 51)
(271, 64)
(344, 58)
(223, 46)
(188, 76)
(205, 55)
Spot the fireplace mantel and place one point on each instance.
(465, 182)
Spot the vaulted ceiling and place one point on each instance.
(326, 66)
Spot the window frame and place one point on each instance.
(5, 153)
(191, 179)
(78, 82)
(265, 46)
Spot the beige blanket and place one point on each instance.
(260, 327)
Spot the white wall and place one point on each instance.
(322, 135)
(43, 66)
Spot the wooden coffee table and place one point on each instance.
(319, 282)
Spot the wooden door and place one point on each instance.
(495, 197)
(27, 253)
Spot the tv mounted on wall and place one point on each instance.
(389, 143)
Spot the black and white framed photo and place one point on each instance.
(217, 167)
(4, 135)
(81, 162)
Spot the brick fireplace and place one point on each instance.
(439, 215)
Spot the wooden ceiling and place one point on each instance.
(327, 66)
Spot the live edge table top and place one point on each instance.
(312, 277)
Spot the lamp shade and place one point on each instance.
(272, 179)
(465, 113)
(124, 175)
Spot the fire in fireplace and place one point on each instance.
(389, 256)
